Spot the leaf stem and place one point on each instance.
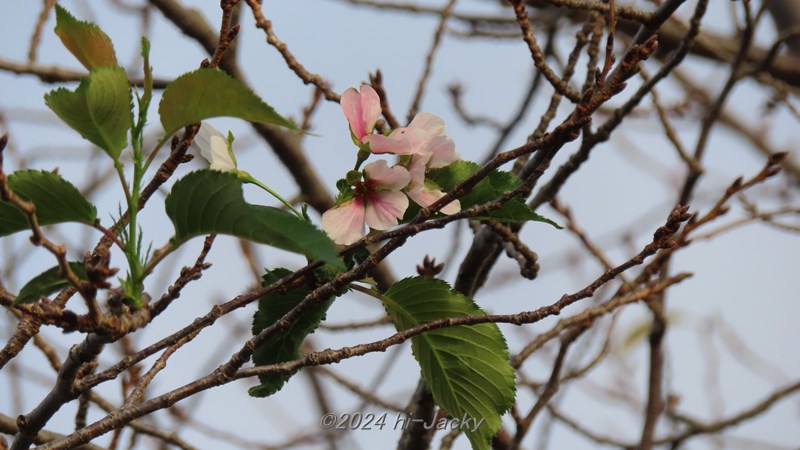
(123, 180)
(372, 292)
(155, 150)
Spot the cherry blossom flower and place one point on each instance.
(439, 151)
(425, 140)
(214, 148)
(381, 199)
(361, 108)
(377, 203)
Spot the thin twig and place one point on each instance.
(55, 74)
(538, 56)
(36, 36)
(550, 389)
(283, 49)
(428, 65)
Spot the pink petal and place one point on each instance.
(351, 106)
(384, 208)
(417, 169)
(422, 196)
(451, 208)
(389, 178)
(426, 196)
(402, 141)
(442, 151)
(370, 106)
(396, 145)
(345, 223)
(418, 137)
(441, 148)
(429, 123)
(361, 110)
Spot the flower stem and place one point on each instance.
(361, 157)
(247, 178)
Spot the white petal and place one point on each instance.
(345, 223)
(202, 140)
(218, 155)
(384, 208)
(213, 147)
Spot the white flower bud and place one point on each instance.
(213, 146)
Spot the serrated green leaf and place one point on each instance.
(466, 368)
(48, 282)
(207, 93)
(286, 345)
(56, 201)
(85, 40)
(493, 186)
(100, 109)
(210, 201)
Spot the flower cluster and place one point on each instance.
(378, 196)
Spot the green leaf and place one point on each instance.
(207, 93)
(286, 345)
(210, 201)
(48, 282)
(56, 201)
(85, 40)
(100, 109)
(466, 368)
(493, 186)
